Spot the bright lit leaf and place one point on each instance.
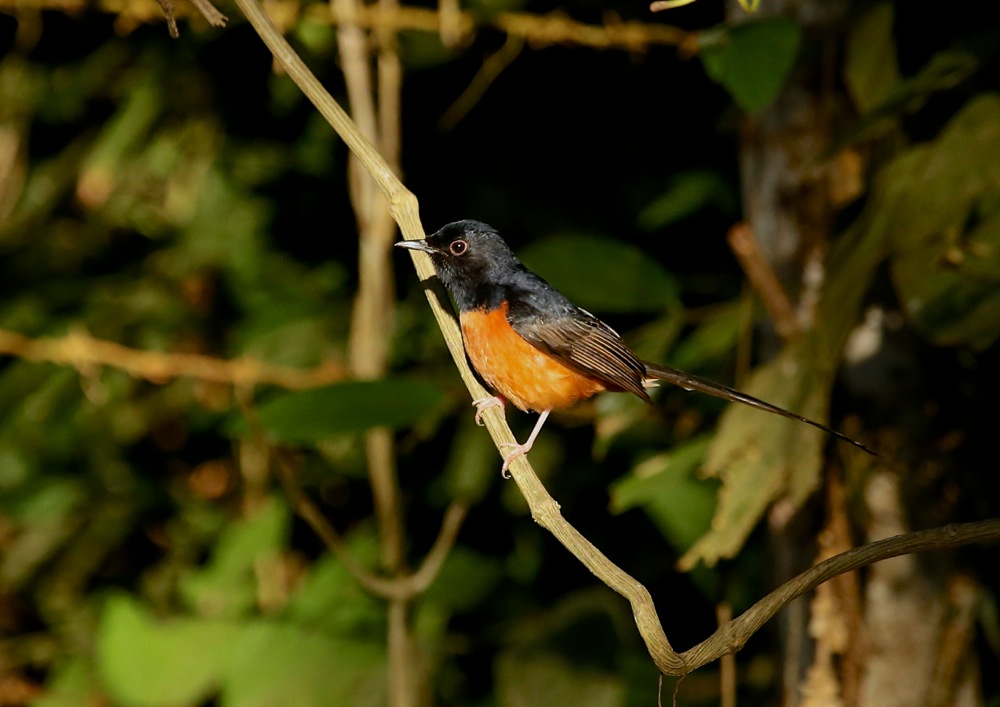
(143, 661)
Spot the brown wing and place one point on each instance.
(581, 341)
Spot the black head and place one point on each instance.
(470, 258)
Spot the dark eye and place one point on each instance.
(459, 247)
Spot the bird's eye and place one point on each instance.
(458, 247)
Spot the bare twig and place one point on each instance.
(548, 30)
(401, 587)
(953, 661)
(487, 74)
(85, 353)
(205, 7)
(450, 13)
(763, 279)
(538, 30)
(210, 13)
(167, 6)
(727, 664)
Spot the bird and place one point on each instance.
(536, 349)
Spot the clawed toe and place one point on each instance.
(484, 404)
(517, 450)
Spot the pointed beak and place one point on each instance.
(416, 245)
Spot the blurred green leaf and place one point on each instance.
(331, 599)
(714, 337)
(566, 653)
(870, 68)
(630, 281)
(751, 60)
(490, 8)
(686, 194)
(308, 416)
(22, 86)
(542, 679)
(288, 319)
(119, 137)
(280, 664)
(941, 201)
(318, 38)
(228, 586)
(172, 662)
(226, 230)
(944, 70)
(46, 514)
(423, 50)
(465, 580)
(472, 463)
(667, 488)
(617, 417)
(71, 684)
(525, 562)
(15, 465)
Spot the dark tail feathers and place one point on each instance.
(690, 382)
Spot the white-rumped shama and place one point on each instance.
(533, 346)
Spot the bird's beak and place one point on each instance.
(416, 245)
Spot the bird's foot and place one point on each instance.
(516, 450)
(484, 404)
(519, 450)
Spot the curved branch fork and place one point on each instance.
(730, 637)
(733, 635)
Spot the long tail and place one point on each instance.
(690, 382)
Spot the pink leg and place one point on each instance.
(521, 449)
(484, 404)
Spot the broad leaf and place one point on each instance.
(601, 274)
(174, 662)
(944, 213)
(227, 586)
(751, 60)
(666, 487)
(282, 664)
(540, 679)
(309, 416)
(762, 457)
(686, 194)
(870, 69)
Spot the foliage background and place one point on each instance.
(179, 196)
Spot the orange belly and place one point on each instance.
(515, 369)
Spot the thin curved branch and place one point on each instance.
(87, 354)
(544, 509)
(730, 637)
(401, 587)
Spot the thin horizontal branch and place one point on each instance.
(85, 352)
(537, 30)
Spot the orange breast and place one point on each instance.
(515, 369)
